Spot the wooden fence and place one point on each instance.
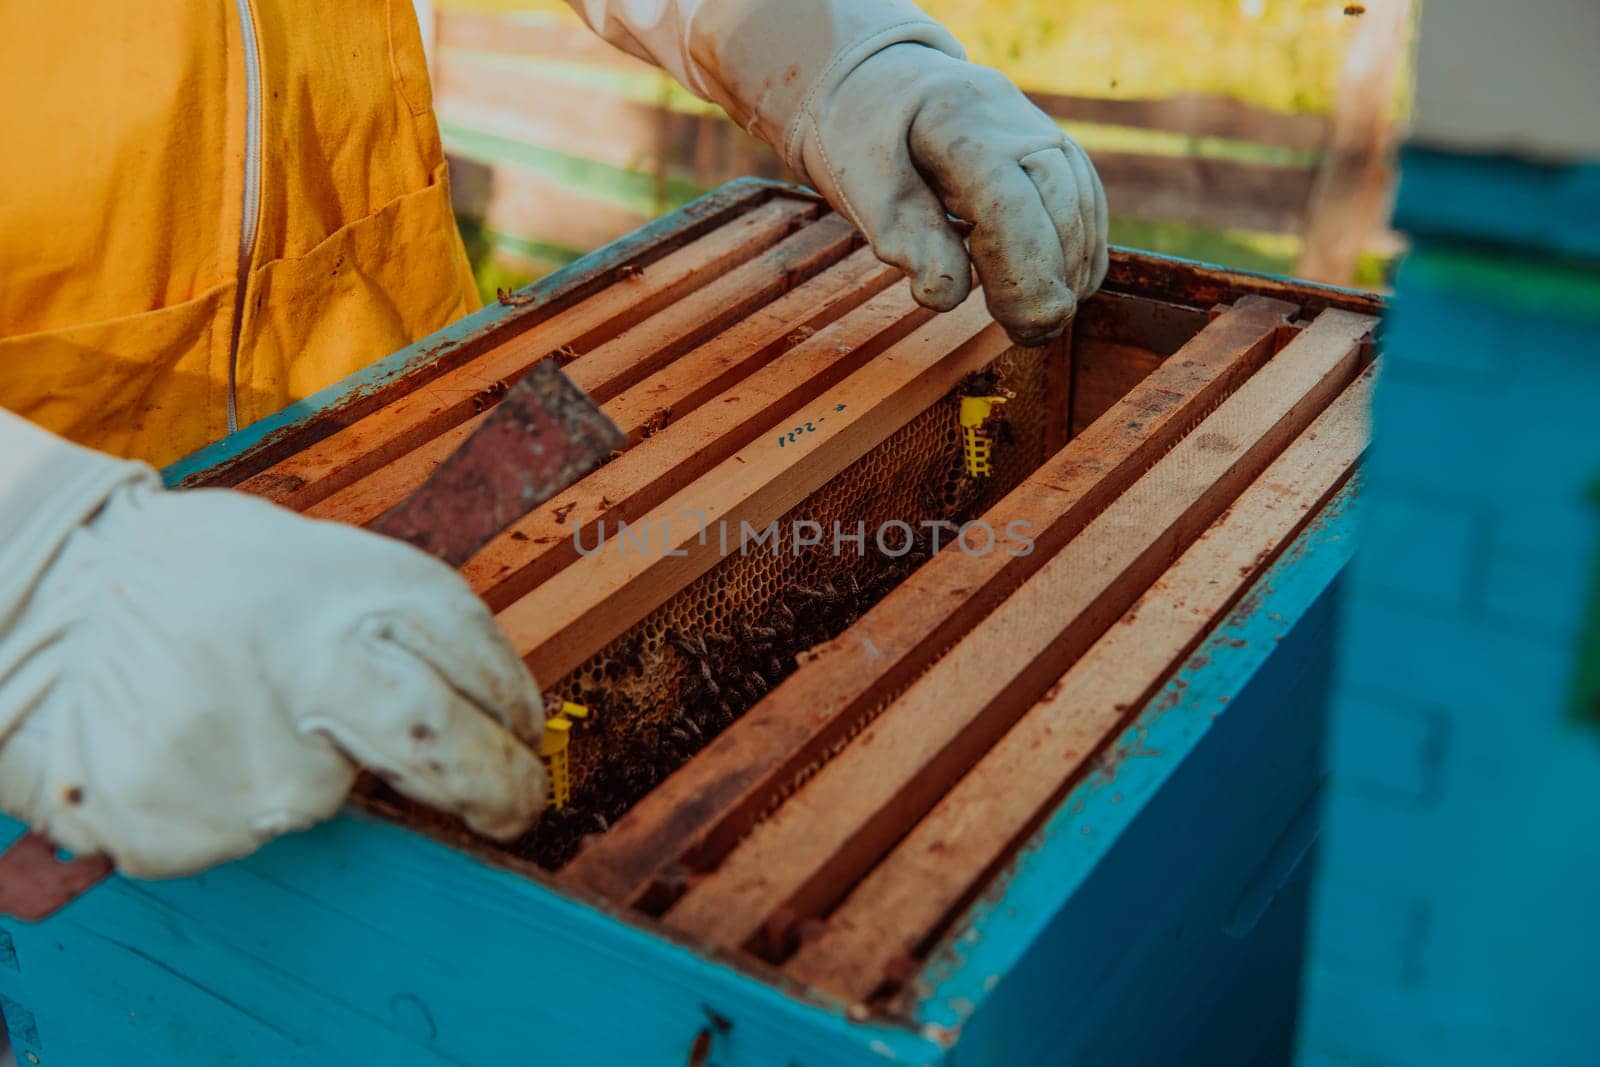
(562, 143)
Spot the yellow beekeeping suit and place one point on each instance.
(158, 155)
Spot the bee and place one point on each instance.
(756, 634)
(824, 597)
(489, 396)
(656, 423)
(514, 300)
(695, 651)
(631, 272)
(980, 383)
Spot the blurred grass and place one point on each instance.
(1269, 253)
(1282, 54)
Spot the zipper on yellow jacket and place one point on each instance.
(250, 210)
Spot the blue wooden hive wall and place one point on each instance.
(1455, 917)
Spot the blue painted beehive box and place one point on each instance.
(804, 826)
(1453, 916)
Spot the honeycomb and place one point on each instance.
(682, 674)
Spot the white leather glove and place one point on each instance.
(911, 135)
(185, 675)
(876, 106)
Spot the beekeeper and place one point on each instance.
(214, 209)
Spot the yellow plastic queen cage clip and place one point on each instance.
(553, 751)
(977, 445)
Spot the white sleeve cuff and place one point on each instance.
(765, 62)
(49, 487)
(772, 61)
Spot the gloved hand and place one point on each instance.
(188, 674)
(911, 135)
(875, 105)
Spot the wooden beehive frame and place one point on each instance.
(946, 664)
(839, 860)
(801, 860)
(890, 916)
(925, 615)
